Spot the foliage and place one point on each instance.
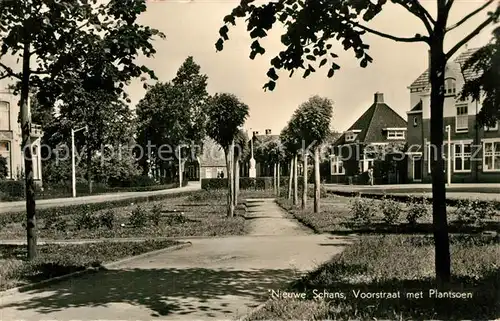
(484, 64)
(139, 217)
(3, 167)
(260, 183)
(312, 120)
(177, 218)
(107, 219)
(155, 214)
(226, 113)
(474, 211)
(362, 210)
(269, 151)
(173, 113)
(86, 220)
(391, 210)
(417, 209)
(12, 188)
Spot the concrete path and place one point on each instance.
(57, 202)
(214, 279)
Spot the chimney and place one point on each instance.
(255, 133)
(378, 97)
(268, 132)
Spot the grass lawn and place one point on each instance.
(336, 217)
(392, 263)
(200, 213)
(56, 260)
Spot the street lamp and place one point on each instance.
(251, 171)
(73, 171)
(448, 159)
(180, 164)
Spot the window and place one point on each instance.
(462, 157)
(350, 136)
(450, 87)
(4, 115)
(337, 166)
(491, 129)
(395, 134)
(415, 121)
(462, 118)
(491, 156)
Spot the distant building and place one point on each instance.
(354, 151)
(210, 163)
(466, 139)
(11, 139)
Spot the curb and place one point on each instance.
(28, 287)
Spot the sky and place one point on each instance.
(191, 29)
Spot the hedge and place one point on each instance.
(259, 183)
(20, 216)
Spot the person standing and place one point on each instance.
(370, 175)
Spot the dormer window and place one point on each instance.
(351, 135)
(450, 87)
(396, 133)
(493, 128)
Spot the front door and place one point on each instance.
(417, 169)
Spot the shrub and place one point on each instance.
(155, 215)
(138, 217)
(245, 183)
(391, 210)
(12, 188)
(177, 218)
(85, 220)
(107, 219)
(474, 211)
(362, 209)
(417, 209)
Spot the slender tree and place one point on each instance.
(310, 27)
(312, 120)
(292, 145)
(70, 41)
(241, 152)
(226, 114)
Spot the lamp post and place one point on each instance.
(251, 171)
(73, 171)
(448, 159)
(180, 164)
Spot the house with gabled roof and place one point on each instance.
(474, 151)
(378, 132)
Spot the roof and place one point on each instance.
(267, 138)
(423, 79)
(418, 106)
(212, 155)
(372, 123)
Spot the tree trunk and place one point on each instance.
(275, 185)
(295, 181)
(439, 217)
(31, 230)
(230, 182)
(236, 180)
(304, 181)
(290, 179)
(278, 187)
(317, 182)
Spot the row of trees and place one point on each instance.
(310, 29)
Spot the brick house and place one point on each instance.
(11, 139)
(475, 151)
(379, 132)
(210, 163)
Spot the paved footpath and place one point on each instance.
(214, 279)
(57, 202)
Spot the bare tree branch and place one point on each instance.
(8, 72)
(417, 10)
(417, 38)
(470, 15)
(449, 4)
(474, 33)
